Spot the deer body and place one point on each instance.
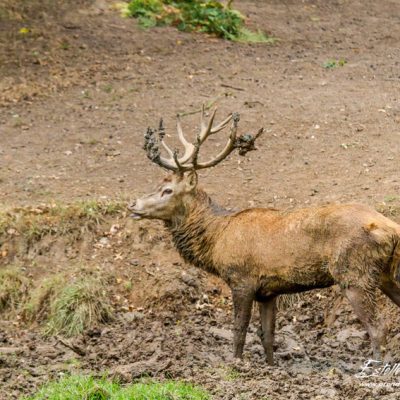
(262, 253)
(284, 252)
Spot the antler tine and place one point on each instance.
(168, 150)
(153, 152)
(191, 151)
(203, 125)
(161, 135)
(221, 125)
(229, 147)
(180, 168)
(207, 129)
(189, 148)
(189, 161)
(151, 146)
(196, 153)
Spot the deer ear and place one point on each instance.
(191, 180)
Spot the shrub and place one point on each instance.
(194, 15)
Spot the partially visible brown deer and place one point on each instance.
(262, 253)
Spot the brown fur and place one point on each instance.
(308, 248)
(262, 253)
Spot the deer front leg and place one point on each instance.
(242, 306)
(268, 316)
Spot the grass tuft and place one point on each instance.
(86, 387)
(248, 36)
(57, 219)
(37, 308)
(61, 306)
(13, 288)
(79, 306)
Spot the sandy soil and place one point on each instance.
(77, 94)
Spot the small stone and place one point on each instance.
(189, 280)
(221, 333)
(133, 316)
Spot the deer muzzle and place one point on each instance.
(136, 214)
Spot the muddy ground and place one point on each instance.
(78, 91)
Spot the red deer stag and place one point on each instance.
(262, 253)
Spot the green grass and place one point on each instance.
(207, 16)
(78, 306)
(89, 388)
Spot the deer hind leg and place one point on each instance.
(242, 307)
(391, 290)
(364, 307)
(268, 316)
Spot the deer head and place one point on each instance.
(174, 190)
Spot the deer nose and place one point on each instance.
(132, 205)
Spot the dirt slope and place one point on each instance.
(77, 93)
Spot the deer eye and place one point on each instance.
(166, 191)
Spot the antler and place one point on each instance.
(189, 160)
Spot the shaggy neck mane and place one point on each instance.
(196, 227)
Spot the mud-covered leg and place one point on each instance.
(242, 305)
(365, 309)
(392, 291)
(268, 316)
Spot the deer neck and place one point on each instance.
(195, 229)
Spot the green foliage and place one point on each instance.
(194, 15)
(210, 17)
(330, 64)
(146, 11)
(89, 388)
